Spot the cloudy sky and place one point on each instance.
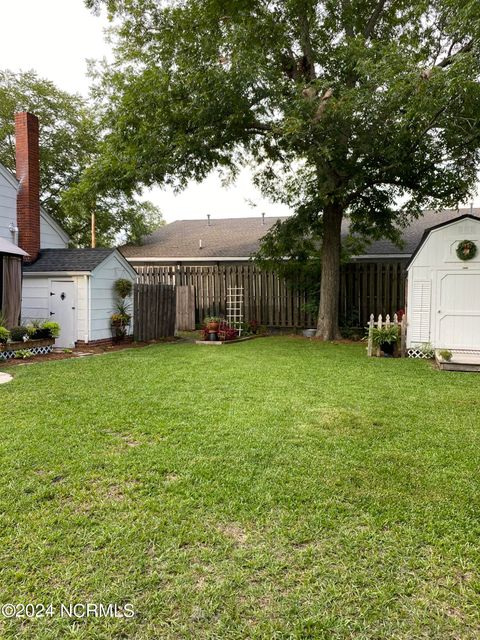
(56, 37)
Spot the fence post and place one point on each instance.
(403, 336)
(371, 324)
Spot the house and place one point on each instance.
(72, 286)
(235, 240)
(443, 308)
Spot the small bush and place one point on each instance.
(225, 332)
(53, 328)
(386, 335)
(427, 350)
(23, 354)
(4, 335)
(445, 354)
(19, 334)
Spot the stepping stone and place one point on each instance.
(5, 377)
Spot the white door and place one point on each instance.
(458, 310)
(62, 310)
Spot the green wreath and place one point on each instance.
(466, 250)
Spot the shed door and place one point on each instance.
(458, 310)
(62, 310)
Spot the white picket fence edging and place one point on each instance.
(379, 323)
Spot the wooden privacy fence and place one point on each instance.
(371, 287)
(185, 308)
(155, 310)
(272, 301)
(266, 298)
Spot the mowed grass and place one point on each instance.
(277, 488)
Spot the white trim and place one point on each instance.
(190, 259)
(54, 274)
(368, 256)
(89, 308)
(386, 256)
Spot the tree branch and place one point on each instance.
(307, 49)
(374, 18)
(452, 56)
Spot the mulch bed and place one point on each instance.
(82, 352)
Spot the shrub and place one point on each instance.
(23, 354)
(122, 287)
(17, 334)
(53, 328)
(427, 350)
(225, 331)
(388, 334)
(4, 335)
(445, 354)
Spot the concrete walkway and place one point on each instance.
(5, 377)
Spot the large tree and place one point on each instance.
(343, 108)
(70, 139)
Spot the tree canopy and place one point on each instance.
(70, 137)
(344, 108)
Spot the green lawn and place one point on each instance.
(277, 488)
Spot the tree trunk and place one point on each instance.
(327, 324)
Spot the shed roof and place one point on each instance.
(446, 223)
(57, 260)
(240, 237)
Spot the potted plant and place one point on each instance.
(385, 339)
(120, 320)
(212, 324)
(445, 354)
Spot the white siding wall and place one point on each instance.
(102, 295)
(8, 207)
(438, 254)
(50, 238)
(36, 300)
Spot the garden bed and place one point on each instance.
(42, 347)
(220, 342)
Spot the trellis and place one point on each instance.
(235, 308)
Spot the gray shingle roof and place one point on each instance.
(56, 260)
(240, 237)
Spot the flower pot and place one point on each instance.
(212, 327)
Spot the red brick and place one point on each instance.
(28, 174)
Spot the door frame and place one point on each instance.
(68, 280)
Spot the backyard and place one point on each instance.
(276, 488)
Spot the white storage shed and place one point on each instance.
(74, 287)
(443, 291)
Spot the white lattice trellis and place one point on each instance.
(35, 351)
(416, 352)
(235, 308)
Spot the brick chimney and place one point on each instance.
(28, 174)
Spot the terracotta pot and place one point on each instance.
(212, 327)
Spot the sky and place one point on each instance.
(56, 40)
